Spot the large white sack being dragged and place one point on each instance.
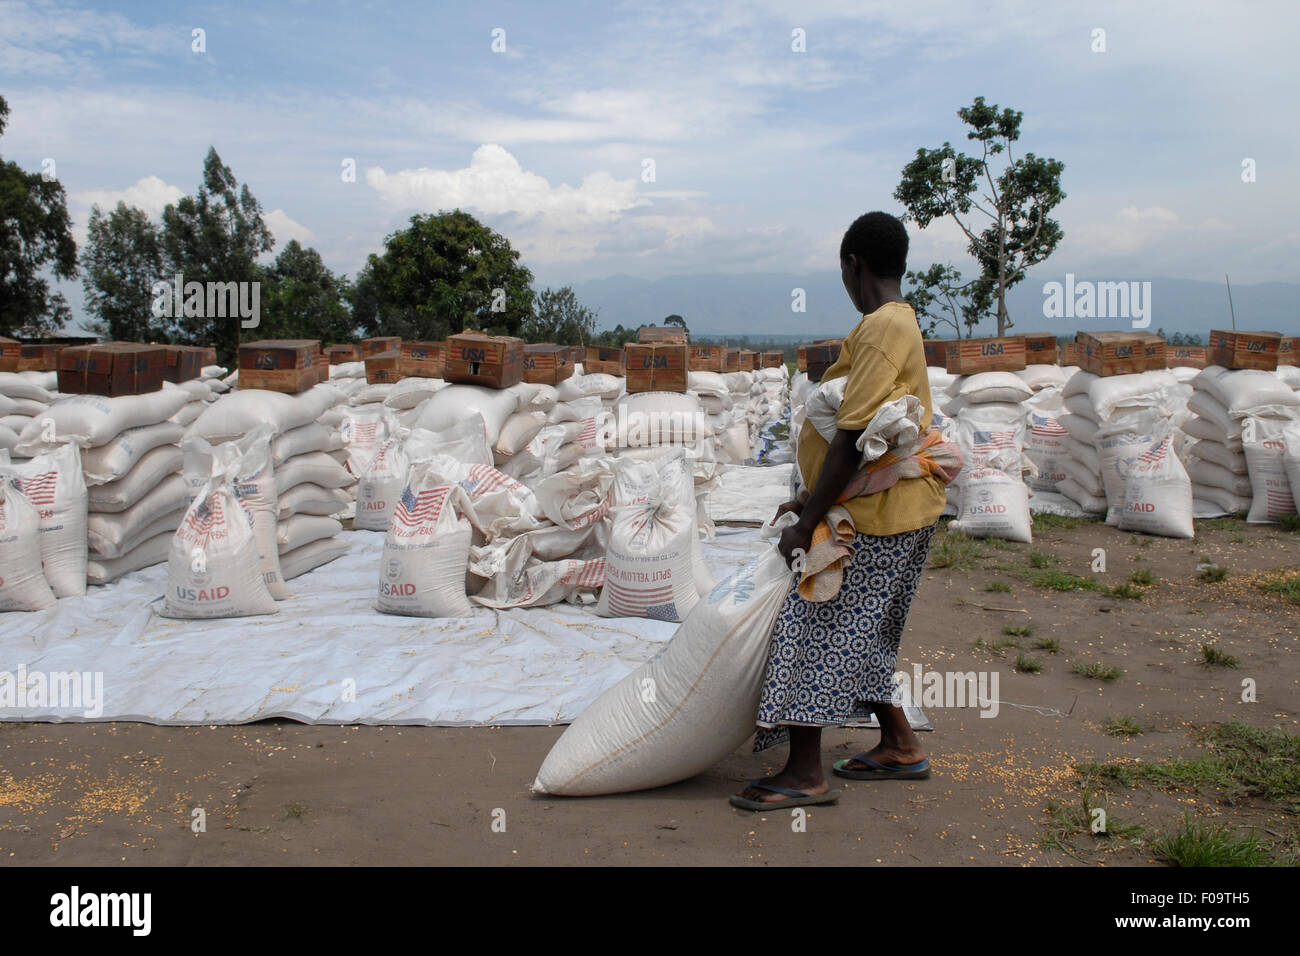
(113, 459)
(148, 473)
(426, 550)
(1157, 491)
(149, 552)
(254, 483)
(648, 568)
(993, 505)
(1266, 444)
(235, 415)
(455, 403)
(1245, 390)
(89, 421)
(645, 419)
(54, 486)
(687, 708)
(213, 569)
(22, 582)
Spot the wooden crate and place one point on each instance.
(383, 343)
(112, 369)
(1154, 352)
(1070, 354)
(472, 358)
(605, 361)
(209, 355)
(184, 363)
(1244, 349)
(1288, 350)
(732, 361)
(668, 334)
(706, 358)
(821, 358)
(279, 365)
(935, 350)
(748, 360)
(338, 354)
(996, 354)
(9, 352)
(801, 359)
(422, 359)
(322, 363)
(547, 364)
(656, 367)
(384, 368)
(39, 358)
(1111, 353)
(771, 359)
(1185, 356)
(1040, 348)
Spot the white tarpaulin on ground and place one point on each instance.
(750, 492)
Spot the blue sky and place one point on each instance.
(762, 154)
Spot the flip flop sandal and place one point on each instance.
(882, 771)
(795, 798)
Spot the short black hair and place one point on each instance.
(879, 240)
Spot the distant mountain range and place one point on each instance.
(759, 305)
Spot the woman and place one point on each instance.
(835, 661)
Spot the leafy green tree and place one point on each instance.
(560, 318)
(302, 299)
(677, 320)
(443, 274)
(616, 337)
(35, 235)
(1181, 338)
(1016, 230)
(938, 297)
(120, 263)
(215, 235)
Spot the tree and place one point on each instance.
(302, 299)
(215, 236)
(616, 337)
(677, 320)
(120, 263)
(560, 318)
(937, 296)
(1181, 338)
(1019, 232)
(35, 235)
(443, 274)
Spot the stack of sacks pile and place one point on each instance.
(1227, 408)
(199, 395)
(1289, 375)
(213, 377)
(728, 423)
(306, 485)
(23, 396)
(127, 467)
(1122, 427)
(741, 386)
(769, 398)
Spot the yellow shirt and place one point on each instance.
(884, 360)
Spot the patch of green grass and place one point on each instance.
(997, 646)
(1064, 581)
(1023, 630)
(1211, 656)
(1197, 844)
(1220, 524)
(1041, 559)
(1142, 577)
(1289, 523)
(998, 587)
(1212, 573)
(1049, 644)
(1068, 822)
(1126, 591)
(1286, 584)
(955, 550)
(1027, 665)
(1122, 727)
(295, 811)
(1045, 522)
(1097, 671)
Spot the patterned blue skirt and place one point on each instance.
(827, 661)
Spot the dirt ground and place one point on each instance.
(278, 792)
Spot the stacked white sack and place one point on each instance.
(307, 483)
(128, 469)
(23, 396)
(1229, 407)
(769, 406)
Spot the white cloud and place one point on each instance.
(149, 193)
(285, 229)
